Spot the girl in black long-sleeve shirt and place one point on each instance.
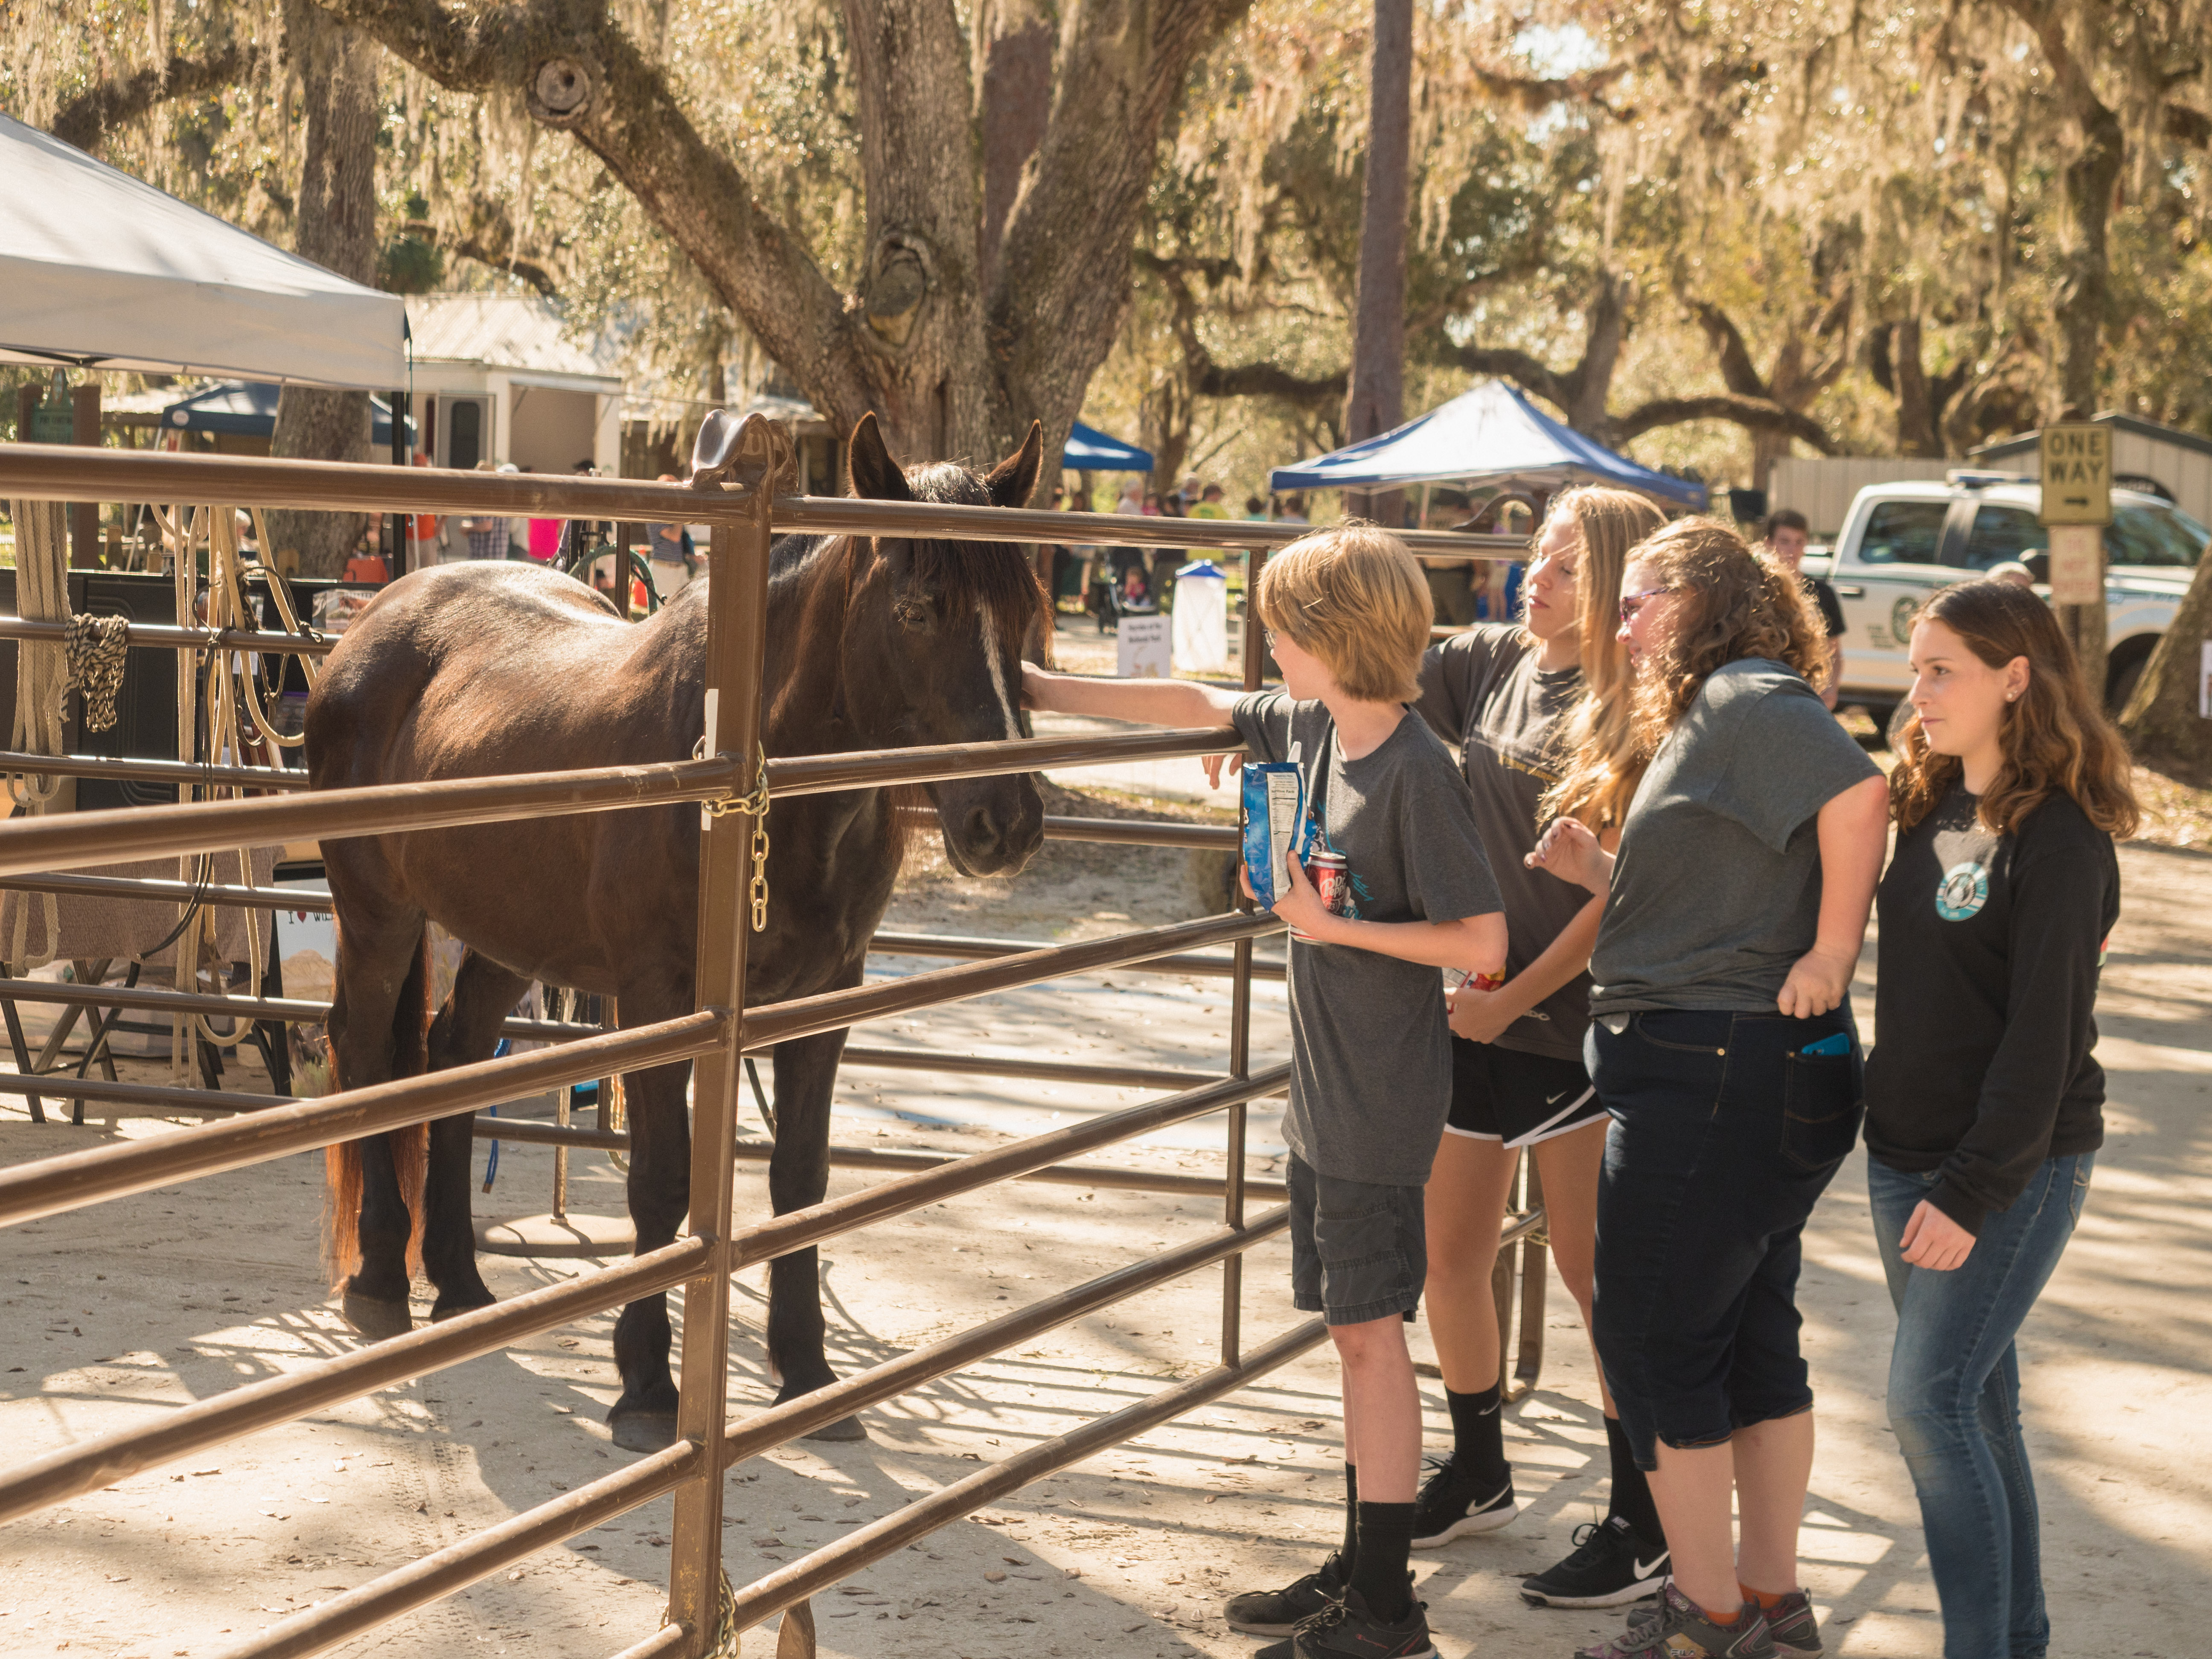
(1984, 1102)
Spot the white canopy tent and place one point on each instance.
(102, 270)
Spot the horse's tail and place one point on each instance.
(411, 1147)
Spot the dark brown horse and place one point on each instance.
(480, 669)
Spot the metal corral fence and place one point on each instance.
(738, 502)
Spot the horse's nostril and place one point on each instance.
(983, 827)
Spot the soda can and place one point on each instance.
(1331, 875)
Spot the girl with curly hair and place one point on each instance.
(1985, 1103)
(1723, 1049)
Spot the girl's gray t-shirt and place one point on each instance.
(1717, 887)
(1483, 690)
(1371, 1074)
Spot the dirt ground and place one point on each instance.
(111, 1317)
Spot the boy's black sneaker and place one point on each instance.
(1611, 1564)
(1452, 1504)
(1276, 1612)
(1346, 1629)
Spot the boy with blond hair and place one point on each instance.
(1346, 611)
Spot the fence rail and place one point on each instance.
(735, 502)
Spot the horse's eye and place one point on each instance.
(912, 615)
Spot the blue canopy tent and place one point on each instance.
(248, 408)
(1490, 435)
(1090, 450)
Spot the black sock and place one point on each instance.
(1349, 1551)
(1479, 1436)
(1631, 1491)
(1385, 1543)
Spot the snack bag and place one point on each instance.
(1274, 810)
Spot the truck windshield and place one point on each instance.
(2138, 536)
(1903, 533)
(2155, 535)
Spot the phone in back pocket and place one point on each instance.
(1838, 1043)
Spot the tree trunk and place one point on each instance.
(1378, 398)
(1915, 407)
(1607, 332)
(2161, 719)
(336, 228)
(2084, 297)
(1014, 41)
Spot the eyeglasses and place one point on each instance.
(1632, 603)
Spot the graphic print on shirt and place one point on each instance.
(1964, 890)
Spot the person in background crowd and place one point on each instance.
(486, 532)
(1517, 700)
(1724, 1049)
(1164, 562)
(1786, 533)
(2012, 571)
(1294, 510)
(1350, 618)
(672, 542)
(1210, 504)
(1188, 496)
(1985, 1102)
(1255, 510)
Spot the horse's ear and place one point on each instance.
(876, 477)
(1013, 481)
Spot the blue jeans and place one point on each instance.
(1955, 1401)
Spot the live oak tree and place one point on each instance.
(1003, 169)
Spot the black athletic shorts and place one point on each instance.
(1502, 1094)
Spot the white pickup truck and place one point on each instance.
(1902, 541)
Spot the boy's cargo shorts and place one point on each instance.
(1358, 1250)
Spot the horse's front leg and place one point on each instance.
(798, 1176)
(644, 1418)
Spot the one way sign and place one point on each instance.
(2077, 474)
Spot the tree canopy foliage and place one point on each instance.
(1708, 232)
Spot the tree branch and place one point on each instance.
(496, 253)
(1753, 413)
(1738, 372)
(1519, 367)
(88, 118)
(603, 89)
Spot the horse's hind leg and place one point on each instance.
(467, 1031)
(375, 1033)
(797, 1176)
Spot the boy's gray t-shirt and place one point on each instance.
(1483, 690)
(1371, 1075)
(1717, 887)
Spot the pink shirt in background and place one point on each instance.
(545, 539)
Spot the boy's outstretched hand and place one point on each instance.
(1217, 765)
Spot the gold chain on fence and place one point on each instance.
(754, 805)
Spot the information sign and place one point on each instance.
(2077, 474)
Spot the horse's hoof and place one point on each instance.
(446, 1310)
(376, 1317)
(643, 1431)
(845, 1428)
